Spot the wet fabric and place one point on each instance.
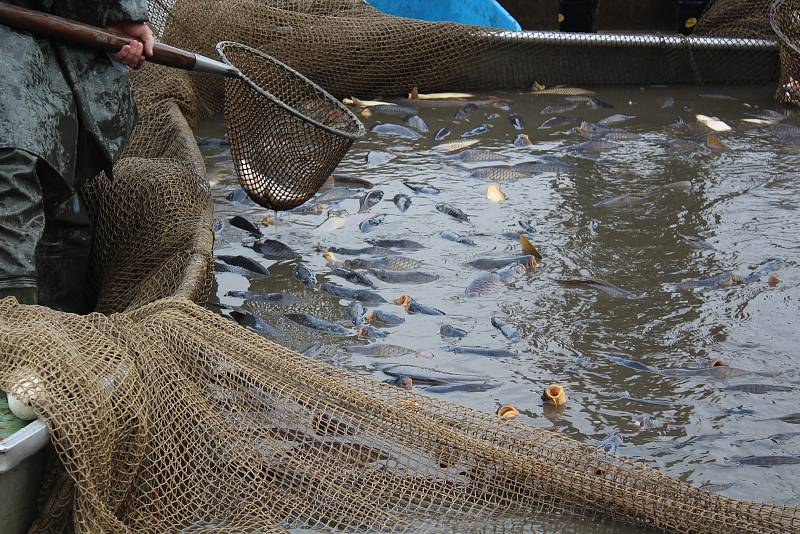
(45, 235)
(47, 88)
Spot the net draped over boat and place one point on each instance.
(170, 418)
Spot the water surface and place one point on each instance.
(743, 203)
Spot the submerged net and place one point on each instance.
(168, 418)
(173, 419)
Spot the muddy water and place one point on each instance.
(742, 202)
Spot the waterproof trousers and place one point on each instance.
(46, 235)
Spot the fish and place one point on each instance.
(492, 282)
(465, 387)
(494, 193)
(255, 323)
(370, 224)
(343, 180)
(238, 194)
(615, 119)
(482, 351)
(413, 307)
(476, 154)
(416, 122)
(593, 225)
(788, 133)
(353, 101)
(212, 142)
(488, 264)
(222, 267)
(621, 136)
(378, 157)
(632, 364)
(545, 165)
(452, 146)
(381, 318)
(442, 133)
(505, 105)
(356, 311)
(783, 436)
(422, 188)
(508, 330)
(759, 389)
(248, 264)
(666, 102)
(602, 285)
(241, 223)
(696, 242)
(556, 122)
(366, 202)
(516, 121)
(492, 116)
(498, 174)
(403, 381)
(361, 295)
(768, 461)
(594, 146)
(522, 140)
(528, 247)
(594, 102)
(715, 488)
(655, 402)
(612, 443)
(424, 375)
(354, 277)
(384, 351)
(403, 202)
(465, 111)
(274, 250)
(685, 145)
(403, 277)
(457, 238)
(306, 276)
(363, 251)
(280, 298)
(416, 95)
(539, 89)
(405, 244)
(391, 263)
(727, 279)
(479, 130)
(767, 114)
(315, 323)
(792, 418)
(559, 109)
(391, 109)
(453, 212)
(370, 332)
(717, 96)
(713, 123)
(396, 130)
(448, 330)
(619, 201)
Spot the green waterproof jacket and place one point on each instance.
(48, 89)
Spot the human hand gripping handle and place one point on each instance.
(139, 48)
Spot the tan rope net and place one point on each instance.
(168, 418)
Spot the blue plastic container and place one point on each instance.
(477, 12)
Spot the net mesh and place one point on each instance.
(287, 142)
(169, 418)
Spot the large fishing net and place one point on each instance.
(168, 418)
